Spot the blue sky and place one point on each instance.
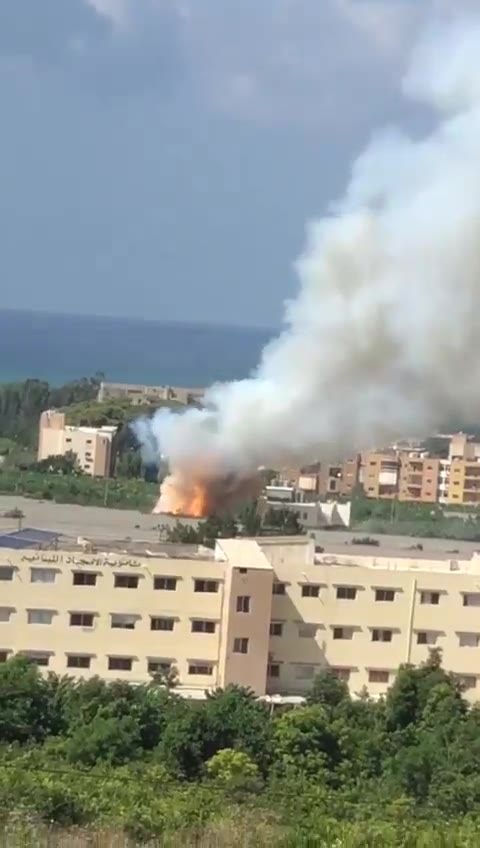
(159, 158)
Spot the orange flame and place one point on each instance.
(198, 496)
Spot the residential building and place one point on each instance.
(139, 395)
(93, 446)
(380, 474)
(267, 614)
(419, 478)
(329, 480)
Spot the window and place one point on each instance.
(78, 661)
(273, 670)
(40, 616)
(89, 442)
(43, 575)
(156, 666)
(81, 619)
(375, 675)
(385, 594)
(162, 624)
(305, 672)
(205, 586)
(381, 635)
(471, 599)
(430, 598)
(3, 656)
(243, 570)
(203, 626)
(346, 593)
(310, 590)
(120, 663)
(240, 645)
(126, 581)
(6, 572)
(342, 674)
(279, 589)
(467, 681)
(200, 668)
(276, 628)
(342, 633)
(38, 657)
(5, 613)
(468, 640)
(125, 622)
(165, 584)
(84, 578)
(426, 637)
(307, 631)
(243, 603)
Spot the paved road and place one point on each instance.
(73, 520)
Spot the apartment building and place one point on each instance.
(93, 446)
(329, 480)
(144, 395)
(380, 474)
(268, 614)
(420, 478)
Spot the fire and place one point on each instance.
(197, 496)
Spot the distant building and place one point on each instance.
(267, 614)
(379, 474)
(145, 395)
(93, 446)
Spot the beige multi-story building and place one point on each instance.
(139, 395)
(379, 474)
(93, 446)
(267, 614)
(419, 478)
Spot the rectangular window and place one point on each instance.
(165, 584)
(6, 572)
(78, 661)
(467, 681)
(38, 657)
(40, 616)
(243, 570)
(243, 603)
(304, 672)
(426, 637)
(120, 663)
(84, 578)
(3, 656)
(307, 631)
(385, 595)
(310, 590)
(273, 670)
(376, 675)
(200, 668)
(342, 674)
(123, 621)
(430, 598)
(469, 640)
(205, 586)
(276, 628)
(471, 599)
(381, 635)
(199, 626)
(5, 613)
(162, 624)
(81, 619)
(240, 645)
(278, 589)
(126, 581)
(159, 666)
(342, 633)
(346, 593)
(43, 575)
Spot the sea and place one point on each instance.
(60, 348)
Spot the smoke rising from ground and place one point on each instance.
(384, 336)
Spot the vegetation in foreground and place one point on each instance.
(144, 764)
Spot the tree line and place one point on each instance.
(337, 770)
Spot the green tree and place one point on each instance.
(305, 743)
(328, 689)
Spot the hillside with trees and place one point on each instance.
(229, 770)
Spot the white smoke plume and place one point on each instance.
(384, 336)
